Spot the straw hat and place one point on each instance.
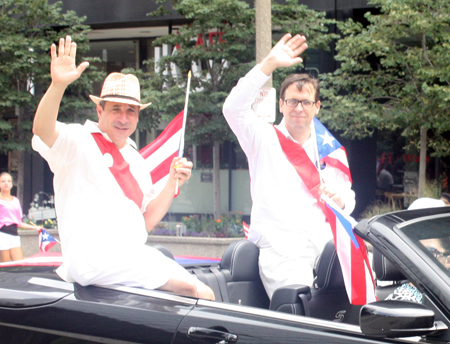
(120, 88)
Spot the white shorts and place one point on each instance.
(8, 241)
(277, 270)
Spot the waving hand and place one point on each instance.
(285, 53)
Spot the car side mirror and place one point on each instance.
(393, 319)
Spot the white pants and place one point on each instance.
(277, 270)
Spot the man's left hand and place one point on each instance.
(181, 169)
(323, 190)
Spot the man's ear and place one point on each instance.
(99, 111)
(280, 104)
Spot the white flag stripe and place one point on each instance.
(169, 147)
(343, 248)
(370, 294)
(158, 186)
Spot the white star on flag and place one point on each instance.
(327, 139)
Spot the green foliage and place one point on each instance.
(227, 28)
(295, 18)
(394, 73)
(376, 208)
(27, 29)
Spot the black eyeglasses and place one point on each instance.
(306, 104)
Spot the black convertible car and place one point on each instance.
(410, 248)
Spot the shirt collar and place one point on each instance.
(282, 127)
(92, 127)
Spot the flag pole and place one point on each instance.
(183, 128)
(316, 149)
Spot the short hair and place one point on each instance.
(300, 80)
(102, 104)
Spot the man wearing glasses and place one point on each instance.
(287, 221)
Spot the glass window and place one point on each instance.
(115, 56)
(432, 238)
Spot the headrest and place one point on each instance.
(241, 259)
(384, 269)
(328, 270)
(164, 250)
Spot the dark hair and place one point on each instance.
(102, 104)
(300, 80)
(446, 196)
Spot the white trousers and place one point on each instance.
(277, 270)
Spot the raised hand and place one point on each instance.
(285, 53)
(62, 68)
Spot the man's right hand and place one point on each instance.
(63, 72)
(284, 54)
(63, 69)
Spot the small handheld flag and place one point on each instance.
(246, 228)
(46, 241)
(159, 153)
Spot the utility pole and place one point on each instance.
(263, 16)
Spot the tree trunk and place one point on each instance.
(216, 180)
(423, 161)
(20, 172)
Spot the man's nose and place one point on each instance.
(122, 115)
(299, 106)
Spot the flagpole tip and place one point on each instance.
(189, 74)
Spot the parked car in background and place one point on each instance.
(409, 248)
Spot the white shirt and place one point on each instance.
(90, 205)
(283, 210)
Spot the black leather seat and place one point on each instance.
(238, 275)
(326, 299)
(387, 276)
(164, 250)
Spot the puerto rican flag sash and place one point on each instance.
(120, 169)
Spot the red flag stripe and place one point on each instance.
(175, 125)
(162, 169)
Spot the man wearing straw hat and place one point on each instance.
(103, 194)
(287, 221)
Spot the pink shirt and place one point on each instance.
(10, 212)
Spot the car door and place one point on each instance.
(39, 309)
(213, 322)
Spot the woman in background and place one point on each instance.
(10, 219)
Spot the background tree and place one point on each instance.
(27, 29)
(220, 39)
(395, 74)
